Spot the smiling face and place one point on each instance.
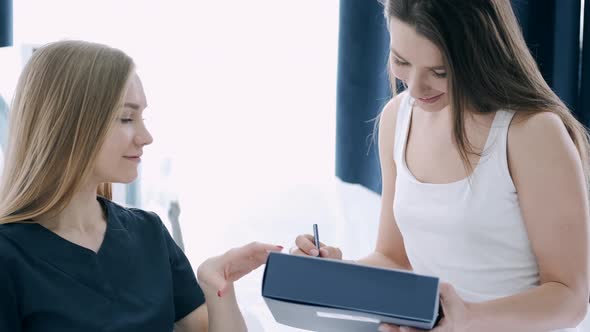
(418, 63)
(119, 156)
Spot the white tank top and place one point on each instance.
(469, 233)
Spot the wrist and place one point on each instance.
(212, 292)
(206, 274)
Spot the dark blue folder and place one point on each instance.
(321, 294)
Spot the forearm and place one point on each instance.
(380, 260)
(548, 307)
(223, 312)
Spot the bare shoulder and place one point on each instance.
(389, 114)
(540, 148)
(539, 131)
(387, 122)
(527, 123)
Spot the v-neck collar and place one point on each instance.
(77, 261)
(63, 243)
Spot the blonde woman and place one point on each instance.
(70, 258)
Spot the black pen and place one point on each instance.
(316, 238)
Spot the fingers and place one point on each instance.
(388, 328)
(255, 253)
(221, 271)
(238, 262)
(306, 246)
(393, 328)
(261, 248)
(331, 252)
(446, 290)
(448, 296)
(442, 326)
(326, 252)
(296, 251)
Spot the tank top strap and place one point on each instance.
(499, 150)
(402, 126)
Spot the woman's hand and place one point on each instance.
(218, 273)
(456, 311)
(304, 246)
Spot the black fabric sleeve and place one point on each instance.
(9, 315)
(188, 295)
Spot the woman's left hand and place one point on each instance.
(218, 273)
(456, 314)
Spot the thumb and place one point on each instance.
(447, 291)
(331, 252)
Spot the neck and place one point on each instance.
(445, 116)
(437, 118)
(82, 214)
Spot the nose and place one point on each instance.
(143, 137)
(417, 83)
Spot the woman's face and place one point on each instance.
(419, 64)
(120, 154)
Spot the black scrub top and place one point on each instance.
(139, 280)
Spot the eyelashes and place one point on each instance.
(439, 75)
(400, 63)
(128, 120)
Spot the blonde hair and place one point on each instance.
(65, 102)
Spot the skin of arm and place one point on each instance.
(547, 172)
(389, 251)
(548, 175)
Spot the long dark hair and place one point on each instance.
(488, 62)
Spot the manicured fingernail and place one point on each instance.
(280, 247)
(219, 293)
(314, 252)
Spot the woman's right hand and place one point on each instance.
(218, 273)
(304, 246)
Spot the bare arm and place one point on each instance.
(196, 321)
(217, 276)
(547, 172)
(220, 314)
(390, 251)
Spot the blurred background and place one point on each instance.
(262, 110)
(242, 98)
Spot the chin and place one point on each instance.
(129, 180)
(432, 108)
(125, 179)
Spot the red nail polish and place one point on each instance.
(219, 293)
(280, 247)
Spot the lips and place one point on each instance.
(430, 100)
(133, 158)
